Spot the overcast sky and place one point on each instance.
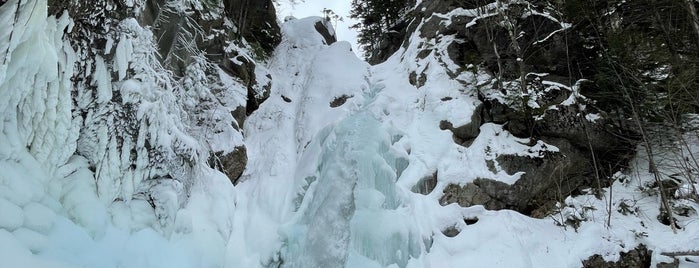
(315, 8)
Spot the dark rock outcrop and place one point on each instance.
(451, 231)
(390, 42)
(339, 101)
(417, 80)
(480, 192)
(231, 164)
(639, 257)
(426, 184)
(257, 21)
(323, 31)
(549, 177)
(465, 134)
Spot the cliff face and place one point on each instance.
(202, 67)
(121, 108)
(527, 97)
(521, 54)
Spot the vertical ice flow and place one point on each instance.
(351, 215)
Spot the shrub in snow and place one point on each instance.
(572, 213)
(687, 190)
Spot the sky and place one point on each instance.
(315, 8)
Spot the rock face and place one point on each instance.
(183, 33)
(231, 164)
(323, 30)
(466, 133)
(426, 185)
(389, 43)
(257, 20)
(543, 180)
(163, 87)
(339, 101)
(469, 40)
(489, 193)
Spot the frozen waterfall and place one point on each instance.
(112, 171)
(351, 215)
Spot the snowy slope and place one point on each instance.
(334, 156)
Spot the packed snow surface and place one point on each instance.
(325, 186)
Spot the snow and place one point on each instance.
(12, 217)
(592, 117)
(124, 50)
(687, 189)
(38, 217)
(103, 81)
(15, 254)
(324, 186)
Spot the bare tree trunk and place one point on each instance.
(491, 38)
(687, 166)
(595, 164)
(243, 16)
(635, 116)
(512, 31)
(652, 166)
(609, 207)
(693, 16)
(682, 253)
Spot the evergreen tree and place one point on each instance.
(375, 18)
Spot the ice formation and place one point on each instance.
(326, 185)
